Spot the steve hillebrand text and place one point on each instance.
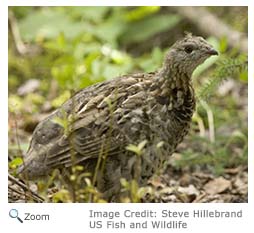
(163, 219)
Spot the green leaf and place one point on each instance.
(223, 45)
(110, 30)
(15, 103)
(141, 12)
(244, 76)
(144, 29)
(49, 23)
(141, 145)
(153, 61)
(62, 196)
(124, 183)
(58, 101)
(137, 149)
(15, 162)
(93, 13)
(134, 149)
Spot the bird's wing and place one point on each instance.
(94, 114)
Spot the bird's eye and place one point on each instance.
(188, 49)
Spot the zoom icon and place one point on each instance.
(13, 213)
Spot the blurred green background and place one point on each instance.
(56, 51)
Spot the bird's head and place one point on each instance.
(188, 53)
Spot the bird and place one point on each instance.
(95, 126)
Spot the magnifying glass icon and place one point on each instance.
(13, 213)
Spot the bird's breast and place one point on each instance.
(173, 113)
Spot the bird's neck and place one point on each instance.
(173, 88)
(175, 77)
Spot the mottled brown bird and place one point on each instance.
(105, 118)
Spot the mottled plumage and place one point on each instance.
(105, 118)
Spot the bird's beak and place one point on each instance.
(212, 51)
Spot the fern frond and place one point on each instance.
(225, 68)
